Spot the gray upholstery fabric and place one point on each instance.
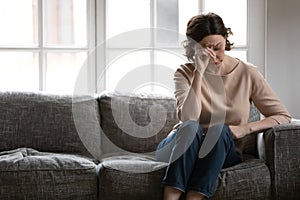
(126, 120)
(28, 174)
(283, 158)
(248, 180)
(132, 177)
(129, 177)
(47, 123)
(43, 122)
(139, 108)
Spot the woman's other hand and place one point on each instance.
(238, 131)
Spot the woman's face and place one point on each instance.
(215, 44)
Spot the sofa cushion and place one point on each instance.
(46, 122)
(135, 122)
(131, 123)
(28, 174)
(132, 177)
(248, 180)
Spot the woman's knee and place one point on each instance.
(189, 133)
(190, 127)
(182, 137)
(220, 133)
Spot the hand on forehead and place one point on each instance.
(212, 41)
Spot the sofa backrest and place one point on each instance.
(45, 122)
(129, 123)
(136, 123)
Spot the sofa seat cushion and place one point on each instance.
(29, 174)
(133, 177)
(248, 180)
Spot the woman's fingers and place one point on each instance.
(201, 56)
(211, 53)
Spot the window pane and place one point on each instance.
(18, 22)
(62, 71)
(167, 18)
(65, 22)
(19, 71)
(127, 15)
(186, 12)
(166, 63)
(128, 71)
(234, 15)
(171, 58)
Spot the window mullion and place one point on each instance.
(91, 56)
(201, 4)
(153, 25)
(100, 50)
(42, 57)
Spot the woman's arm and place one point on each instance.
(267, 103)
(190, 104)
(252, 127)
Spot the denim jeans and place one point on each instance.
(187, 171)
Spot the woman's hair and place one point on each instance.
(201, 26)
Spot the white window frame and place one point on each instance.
(41, 49)
(256, 32)
(101, 38)
(255, 47)
(256, 41)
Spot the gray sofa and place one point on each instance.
(102, 147)
(41, 154)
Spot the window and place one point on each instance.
(43, 43)
(163, 48)
(234, 17)
(144, 45)
(47, 45)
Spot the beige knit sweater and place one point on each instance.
(226, 99)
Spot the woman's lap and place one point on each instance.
(186, 170)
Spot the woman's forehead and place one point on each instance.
(212, 40)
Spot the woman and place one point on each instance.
(213, 95)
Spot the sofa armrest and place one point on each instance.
(282, 155)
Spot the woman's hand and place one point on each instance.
(238, 131)
(202, 58)
(252, 127)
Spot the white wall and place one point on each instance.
(283, 52)
(256, 38)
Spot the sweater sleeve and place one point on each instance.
(182, 80)
(266, 100)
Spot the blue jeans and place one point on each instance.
(187, 171)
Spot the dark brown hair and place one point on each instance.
(201, 26)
